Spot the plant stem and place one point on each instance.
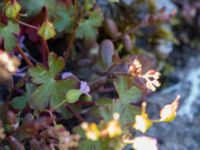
(44, 52)
(26, 24)
(70, 43)
(46, 47)
(78, 116)
(67, 52)
(60, 104)
(70, 109)
(27, 60)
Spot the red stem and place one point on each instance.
(78, 116)
(27, 60)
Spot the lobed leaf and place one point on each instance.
(88, 27)
(126, 90)
(7, 35)
(64, 21)
(33, 7)
(50, 91)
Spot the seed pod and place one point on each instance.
(127, 43)
(12, 9)
(106, 52)
(47, 30)
(111, 28)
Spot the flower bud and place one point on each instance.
(168, 112)
(92, 131)
(142, 123)
(113, 128)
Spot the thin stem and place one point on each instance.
(52, 116)
(67, 52)
(26, 24)
(156, 121)
(60, 104)
(46, 47)
(144, 105)
(70, 43)
(78, 116)
(70, 109)
(27, 60)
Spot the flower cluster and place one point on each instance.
(111, 130)
(66, 140)
(151, 77)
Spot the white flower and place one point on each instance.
(144, 143)
(152, 78)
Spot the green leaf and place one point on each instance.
(90, 145)
(88, 4)
(73, 95)
(50, 91)
(7, 35)
(33, 7)
(64, 20)
(126, 90)
(21, 101)
(88, 27)
(127, 112)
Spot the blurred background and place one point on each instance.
(176, 46)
